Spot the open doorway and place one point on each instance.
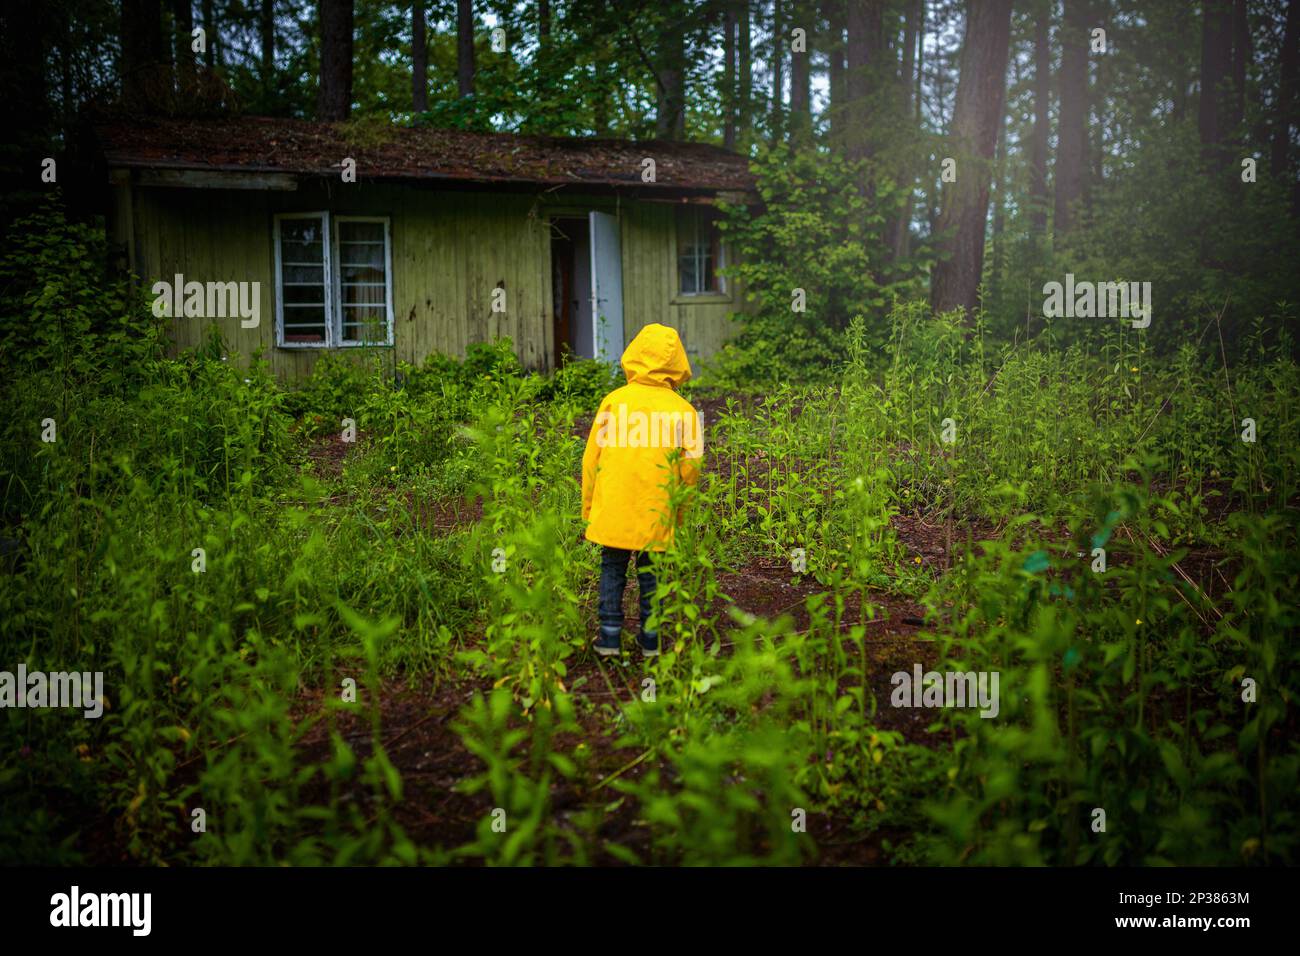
(571, 288)
(587, 286)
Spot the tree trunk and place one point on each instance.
(66, 95)
(334, 99)
(800, 81)
(977, 118)
(544, 19)
(833, 10)
(465, 47)
(169, 48)
(1072, 138)
(866, 41)
(1180, 92)
(909, 55)
(419, 59)
(1290, 56)
(780, 44)
(268, 48)
(730, 21)
(142, 53)
(182, 27)
(1241, 54)
(920, 60)
(934, 188)
(1042, 113)
(670, 113)
(600, 110)
(744, 100)
(1216, 52)
(999, 252)
(1101, 123)
(898, 225)
(210, 36)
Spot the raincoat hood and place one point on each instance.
(656, 357)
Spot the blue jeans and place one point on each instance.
(613, 579)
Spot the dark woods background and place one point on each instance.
(1122, 164)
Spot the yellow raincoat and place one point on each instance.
(626, 468)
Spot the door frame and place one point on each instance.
(609, 338)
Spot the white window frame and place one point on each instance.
(333, 281)
(698, 221)
(327, 285)
(388, 281)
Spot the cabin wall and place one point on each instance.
(650, 284)
(450, 249)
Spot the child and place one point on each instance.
(644, 436)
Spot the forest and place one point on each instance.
(992, 554)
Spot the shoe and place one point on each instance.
(649, 644)
(609, 645)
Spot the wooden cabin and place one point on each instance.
(413, 241)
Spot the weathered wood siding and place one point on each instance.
(650, 283)
(450, 249)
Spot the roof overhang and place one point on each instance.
(255, 153)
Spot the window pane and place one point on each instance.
(363, 282)
(708, 282)
(302, 240)
(698, 253)
(361, 254)
(686, 279)
(302, 280)
(304, 323)
(686, 270)
(352, 231)
(365, 324)
(292, 275)
(296, 295)
(716, 260)
(353, 272)
(301, 253)
(307, 230)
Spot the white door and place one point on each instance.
(606, 287)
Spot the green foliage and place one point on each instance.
(813, 232)
(62, 312)
(582, 383)
(1117, 703)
